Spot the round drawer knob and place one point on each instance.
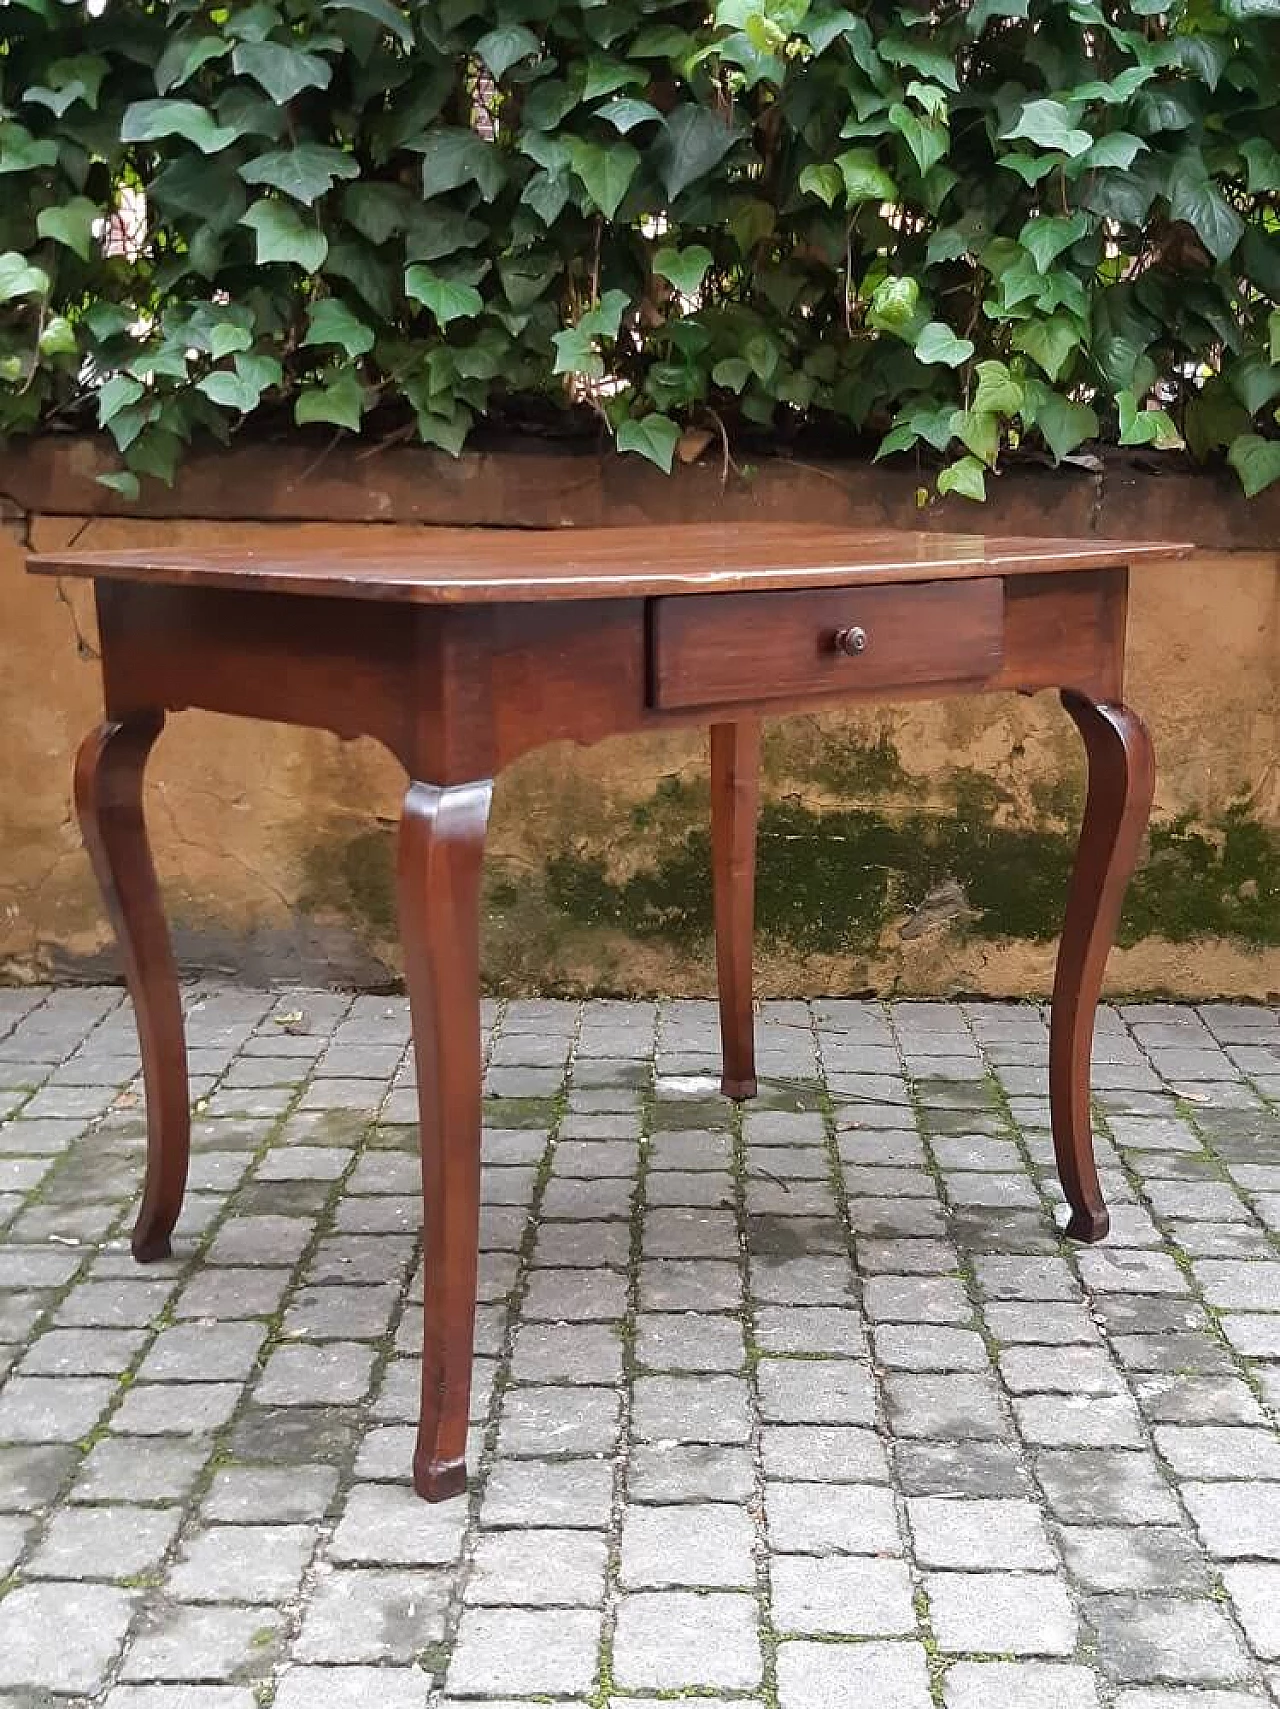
(851, 641)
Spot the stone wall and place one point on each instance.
(917, 849)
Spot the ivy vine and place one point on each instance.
(956, 229)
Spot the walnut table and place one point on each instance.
(471, 647)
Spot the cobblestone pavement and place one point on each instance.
(806, 1406)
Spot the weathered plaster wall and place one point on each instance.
(919, 849)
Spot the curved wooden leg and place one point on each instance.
(735, 807)
(441, 850)
(108, 791)
(1121, 784)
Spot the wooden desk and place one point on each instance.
(477, 646)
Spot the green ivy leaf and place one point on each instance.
(683, 268)
(71, 224)
(654, 437)
(1060, 421)
(966, 478)
(938, 343)
(18, 278)
(451, 158)
(825, 182)
(1049, 125)
(338, 400)
(865, 180)
(694, 140)
(1194, 197)
(184, 56)
(1045, 238)
(606, 169)
(58, 338)
(506, 46)
(116, 394)
(1254, 379)
(928, 139)
(1048, 342)
(1256, 460)
(1118, 150)
(1146, 426)
(979, 430)
(305, 172)
(284, 72)
(576, 354)
(283, 236)
(382, 12)
(732, 373)
(153, 121)
(624, 113)
(122, 481)
(921, 56)
(332, 322)
(241, 386)
(21, 152)
(997, 392)
(985, 12)
(447, 299)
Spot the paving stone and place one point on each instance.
(978, 1469)
(175, 1409)
(270, 1495)
(978, 1534)
(690, 1471)
(209, 1643)
(815, 1391)
(833, 1676)
(1254, 1590)
(675, 1640)
(1020, 1685)
(52, 1409)
(955, 1405)
(575, 1493)
(334, 1374)
(1106, 1485)
(690, 1409)
(1134, 1557)
(114, 1542)
(543, 1420)
(180, 1697)
(687, 1341)
(1145, 1638)
(929, 1347)
(827, 1519)
(832, 1453)
(524, 1650)
(692, 1544)
(242, 1563)
(61, 1637)
(204, 1352)
(352, 1688)
(1021, 1614)
(855, 1596)
(1236, 1520)
(387, 1525)
(1079, 1420)
(538, 1567)
(369, 1615)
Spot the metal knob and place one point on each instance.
(851, 641)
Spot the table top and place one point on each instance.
(483, 566)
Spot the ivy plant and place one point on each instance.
(953, 229)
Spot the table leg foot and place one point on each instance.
(441, 850)
(108, 790)
(150, 1245)
(738, 1090)
(1089, 1226)
(439, 1480)
(735, 806)
(1121, 785)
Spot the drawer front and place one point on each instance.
(723, 649)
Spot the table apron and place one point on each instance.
(458, 692)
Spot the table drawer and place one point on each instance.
(722, 649)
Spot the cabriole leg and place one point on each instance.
(441, 850)
(1121, 784)
(108, 791)
(735, 807)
